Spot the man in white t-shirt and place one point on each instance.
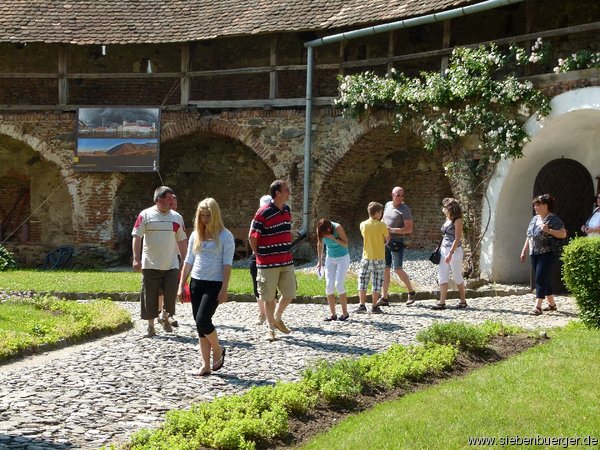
(164, 239)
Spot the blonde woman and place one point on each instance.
(451, 252)
(209, 258)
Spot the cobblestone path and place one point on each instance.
(101, 392)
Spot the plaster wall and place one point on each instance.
(572, 130)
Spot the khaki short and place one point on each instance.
(273, 278)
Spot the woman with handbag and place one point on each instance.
(451, 253)
(541, 230)
(592, 225)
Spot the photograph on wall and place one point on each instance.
(117, 139)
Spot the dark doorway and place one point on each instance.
(572, 187)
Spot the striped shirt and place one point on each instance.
(272, 229)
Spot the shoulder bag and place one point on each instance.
(436, 255)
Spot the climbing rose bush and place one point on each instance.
(478, 95)
(581, 59)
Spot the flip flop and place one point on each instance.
(220, 362)
(204, 373)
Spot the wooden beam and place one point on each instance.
(185, 79)
(63, 83)
(273, 75)
(260, 103)
(342, 57)
(446, 44)
(391, 50)
(29, 75)
(141, 75)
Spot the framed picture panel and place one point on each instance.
(121, 139)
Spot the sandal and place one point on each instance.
(201, 373)
(537, 311)
(438, 306)
(550, 308)
(331, 318)
(216, 366)
(461, 305)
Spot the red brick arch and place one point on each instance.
(176, 125)
(367, 168)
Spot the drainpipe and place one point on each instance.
(408, 23)
(307, 139)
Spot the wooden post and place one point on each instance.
(273, 75)
(63, 83)
(390, 51)
(446, 44)
(342, 56)
(185, 78)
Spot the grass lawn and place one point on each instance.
(97, 281)
(26, 324)
(548, 391)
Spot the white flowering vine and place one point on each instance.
(479, 96)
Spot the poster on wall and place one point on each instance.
(124, 139)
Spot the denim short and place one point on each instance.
(396, 256)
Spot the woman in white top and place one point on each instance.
(592, 225)
(209, 258)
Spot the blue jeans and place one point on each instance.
(543, 265)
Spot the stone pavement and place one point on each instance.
(101, 392)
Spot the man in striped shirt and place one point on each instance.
(271, 238)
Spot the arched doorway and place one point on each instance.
(571, 185)
(572, 130)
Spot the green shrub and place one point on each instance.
(400, 364)
(336, 382)
(460, 334)
(7, 262)
(500, 329)
(232, 422)
(581, 275)
(296, 398)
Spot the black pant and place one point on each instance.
(543, 264)
(204, 304)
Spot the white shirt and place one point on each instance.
(594, 222)
(161, 233)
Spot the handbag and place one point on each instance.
(436, 255)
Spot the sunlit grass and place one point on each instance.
(110, 282)
(548, 391)
(26, 324)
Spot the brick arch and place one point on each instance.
(179, 125)
(197, 165)
(28, 159)
(39, 146)
(375, 160)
